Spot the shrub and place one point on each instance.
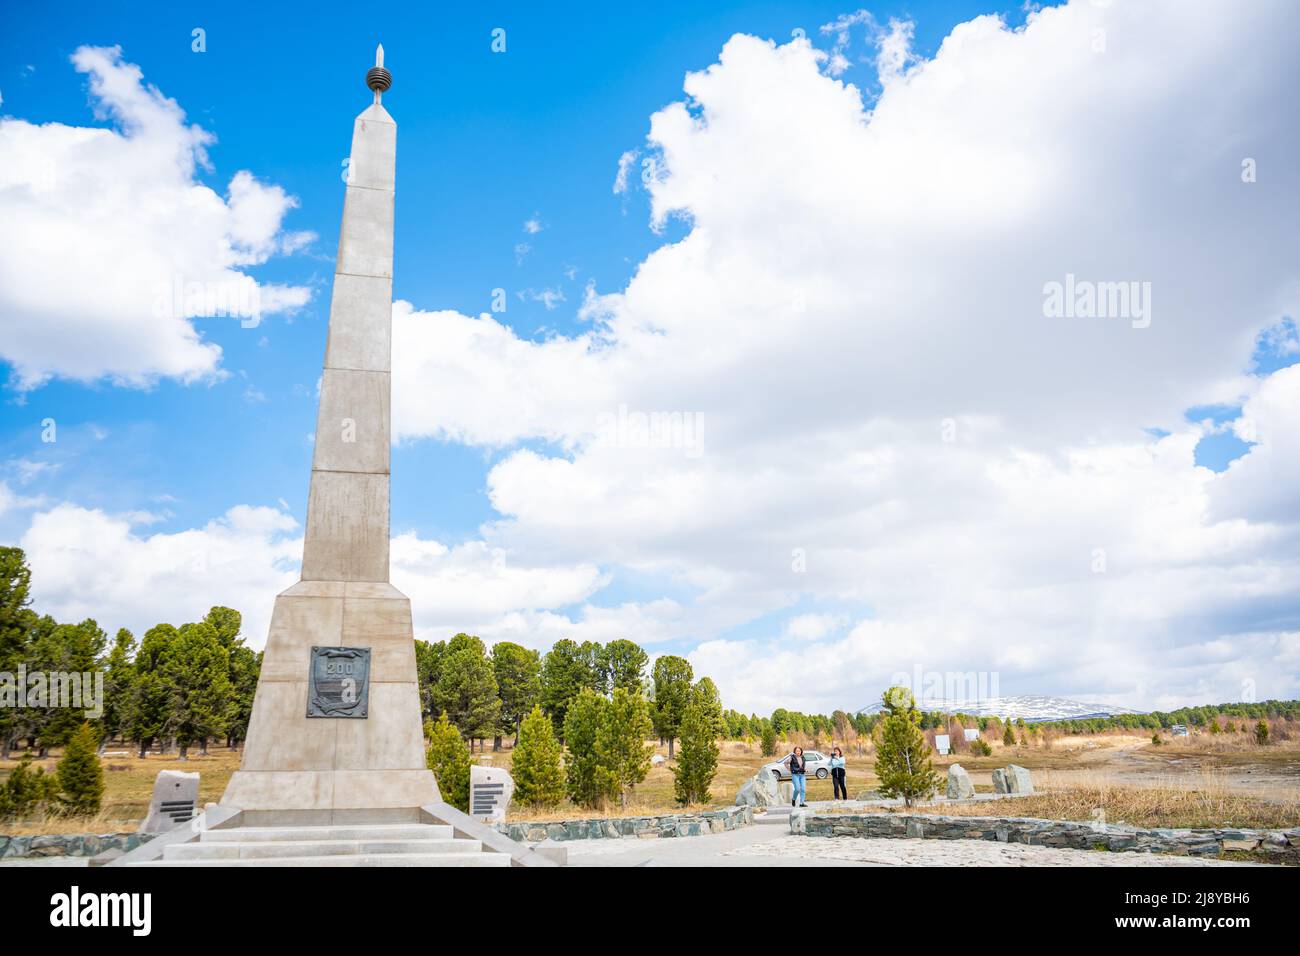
(449, 760)
(902, 756)
(621, 751)
(81, 777)
(26, 790)
(537, 766)
(698, 762)
(587, 787)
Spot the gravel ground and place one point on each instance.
(952, 853)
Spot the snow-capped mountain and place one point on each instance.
(1032, 707)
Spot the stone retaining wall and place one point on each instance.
(66, 844)
(1059, 833)
(597, 828)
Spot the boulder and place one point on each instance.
(959, 783)
(1018, 780)
(760, 790)
(1000, 781)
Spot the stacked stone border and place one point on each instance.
(1054, 833)
(67, 844)
(645, 828)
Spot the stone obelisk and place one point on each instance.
(335, 735)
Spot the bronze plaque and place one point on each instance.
(338, 683)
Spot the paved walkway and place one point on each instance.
(770, 844)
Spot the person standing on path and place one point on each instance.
(838, 773)
(799, 777)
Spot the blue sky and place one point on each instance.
(487, 142)
(491, 142)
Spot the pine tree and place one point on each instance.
(621, 750)
(467, 689)
(81, 777)
(71, 649)
(518, 671)
(196, 673)
(902, 755)
(150, 697)
(449, 759)
(565, 672)
(672, 683)
(1261, 732)
(428, 668)
(711, 700)
(583, 780)
(623, 665)
(698, 762)
(225, 623)
(537, 762)
(16, 621)
(118, 685)
(245, 669)
(769, 739)
(1008, 735)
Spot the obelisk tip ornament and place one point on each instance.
(335, 734)
(377, 78)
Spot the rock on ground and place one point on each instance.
(761, 790)
(959, 783)
(1018, 780)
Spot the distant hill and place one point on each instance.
(1032, 707)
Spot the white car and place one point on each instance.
(818, 764)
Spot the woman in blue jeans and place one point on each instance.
(799, 776)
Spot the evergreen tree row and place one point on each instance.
(181, 686)
(488, 694)
(582, 716)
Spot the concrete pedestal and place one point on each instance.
(300, 770)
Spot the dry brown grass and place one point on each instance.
(128, 785)
(1203, 800)
(1074, 772)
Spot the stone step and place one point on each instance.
(267, 849)
(391, 831)
(376, 859)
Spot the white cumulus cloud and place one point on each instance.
(103, 226)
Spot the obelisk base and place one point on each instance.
(300, 770)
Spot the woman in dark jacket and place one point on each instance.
(799, 777)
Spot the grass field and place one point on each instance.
(1198, 781)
